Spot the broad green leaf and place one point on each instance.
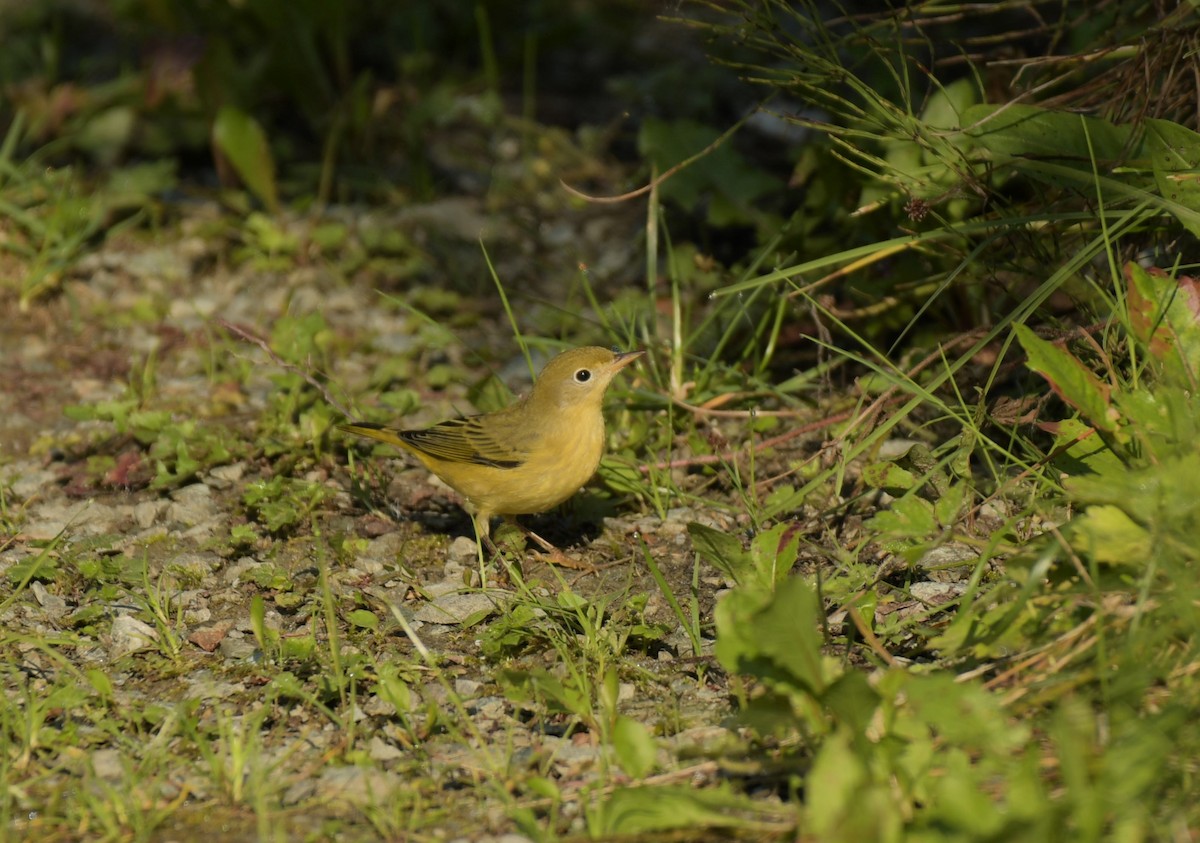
(100, 682)
(773, 552)
(721, 550)
(288, 686)
(363, 619)
(852, 700)
(1175, 156)
(543, 787)
(948, 103)
(242, 141)
(642, 810)
(540, 685)
(106, 134)
(1109, 536)
(635, 747)
(1164, 313)
(838, 773)
(1078, 449)
(295, 649)
(1165, 420)
(844, 801)
(722, 180)
(774, 637)
(961, 802)
(1164, 497)
(393, 689)
(887, 475)
(926, 157)
(263, 634)
(1026, 130)
(947, 507)
(909, 517)
(42, 567)
(1070, 379)
(963, 714)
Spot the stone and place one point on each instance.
(129, 635)
(454, 608)
(192, 505)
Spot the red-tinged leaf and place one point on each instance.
(1164, 313)
(1070, 379)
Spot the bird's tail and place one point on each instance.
(376, 431)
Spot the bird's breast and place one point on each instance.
(560, 460)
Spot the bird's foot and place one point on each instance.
(554, 556)
(551, 554)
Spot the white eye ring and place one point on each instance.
(583, 376)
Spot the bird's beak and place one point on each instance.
(624, 359)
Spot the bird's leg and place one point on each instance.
(483, 531)
(538, 540)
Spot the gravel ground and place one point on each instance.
(259, 629)
(154, 583)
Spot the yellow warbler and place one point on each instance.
(526, 458)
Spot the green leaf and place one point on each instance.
(930, 166)
(909, 517)
(1175, 156)
(721, 550)
(1070, 379)
(635, 747)
(1079, 450)
(296, 649)
(271, 238)
(722, 180)
(242, 141)
(774, 637)
(964, 714)
(42, 567)
(852, 700)
(106, 134)
(543, 787)
(1110, 536)
(960, 801)
(644, 810)
(100, 682)
(947, 507)
(391, 688)
(287, 686)
(363, 619)
(887, 475)
(842, 802)
(1164, 313)
(947, 103)
(1163, 498)
(772, 554)
(1027, 130)
(263, 634)
(541, 686)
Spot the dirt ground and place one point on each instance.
(154, 582)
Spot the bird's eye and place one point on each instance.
(583, 376)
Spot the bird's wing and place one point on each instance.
(465, 441)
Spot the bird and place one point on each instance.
(528, 457)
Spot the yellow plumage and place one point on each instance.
(526, 458)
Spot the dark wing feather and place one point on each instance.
(463, 441)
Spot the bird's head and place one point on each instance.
(579, 377)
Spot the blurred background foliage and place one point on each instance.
(343, 91)
(860, 136)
